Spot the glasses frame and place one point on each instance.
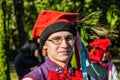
(60, 41)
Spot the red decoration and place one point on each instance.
(100, 43)
(104, 64)
(66, 74)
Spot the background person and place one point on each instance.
(101, 58)
(96, 49)
(106, 62)
(28, 58)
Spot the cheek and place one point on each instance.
(71, 47)
(51, 49)
(52, 52)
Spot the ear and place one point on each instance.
(44, 52)
(44, 47)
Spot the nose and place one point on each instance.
(64, 43)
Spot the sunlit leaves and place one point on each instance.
(59, 5)
(112, 16)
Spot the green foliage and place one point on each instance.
(84, 36)
(30, 16)
(87, 21)
(3, 65)
(112, 16)
(73, 61)
(109, 13)
(59, 5)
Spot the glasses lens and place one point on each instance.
(58, 40)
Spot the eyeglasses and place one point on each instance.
(58, 40)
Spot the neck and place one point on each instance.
(59, 63)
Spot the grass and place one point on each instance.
(13, 73)
(119, 75)
(14, 76)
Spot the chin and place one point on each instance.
(64, 59)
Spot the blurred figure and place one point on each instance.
(98, 52)
(28, 58)
(95, 51)
(106, 62)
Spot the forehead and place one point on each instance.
(61, 33)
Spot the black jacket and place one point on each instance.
(101, 70)
(23, 64)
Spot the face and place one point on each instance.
(59, 46)
(105, 56)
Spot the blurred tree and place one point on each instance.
(4, 65)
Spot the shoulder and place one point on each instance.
(18, 58)
(38, 73)
(33, 75)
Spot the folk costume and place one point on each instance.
(47, 23)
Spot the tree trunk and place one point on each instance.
(19, 12)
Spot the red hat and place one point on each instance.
(48, 17)
(100, 43)
(49, 22)
(96, 56)
(100, 46)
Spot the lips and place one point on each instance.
(65, 52)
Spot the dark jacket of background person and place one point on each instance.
(100, 69)
(26, 61)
